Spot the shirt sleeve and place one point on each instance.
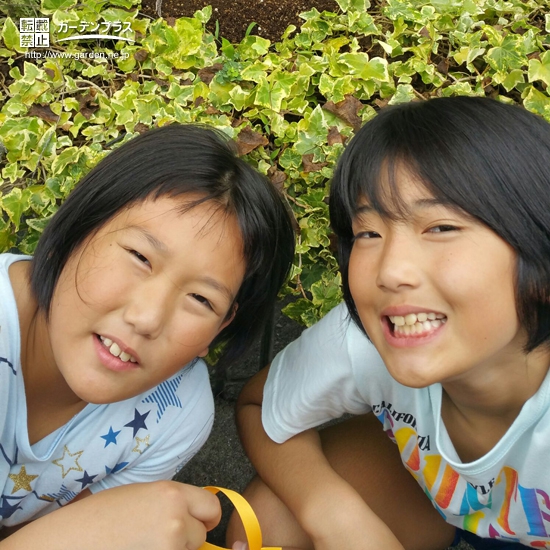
(313, 380)
(178, 436)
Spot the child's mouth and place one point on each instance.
(415, 324)
(114, 349)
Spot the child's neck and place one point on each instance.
(50, 403)
(479, 410)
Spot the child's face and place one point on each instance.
(449, 275)
(153, 283)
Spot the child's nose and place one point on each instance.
(147, 309)
(399, 265)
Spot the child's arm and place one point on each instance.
(329, 510)
(164, 515)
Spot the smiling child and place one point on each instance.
(171, 243)
(442, 213)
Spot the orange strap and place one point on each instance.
(248, 517)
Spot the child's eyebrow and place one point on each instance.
(432, 202)
(153, 241)
(218, 286)
(363, 209)
(419, 204)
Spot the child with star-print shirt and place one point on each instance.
(170, 245)
(144, 438)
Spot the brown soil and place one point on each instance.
(272, 17)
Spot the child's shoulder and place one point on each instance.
(13, 285)
(7, 258)
(335, 335)
(13, 270)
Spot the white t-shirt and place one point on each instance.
(333, 369)
(145, 438)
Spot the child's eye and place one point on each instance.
(202, 300)
(366, 235)
(140, 257)
(442, 228)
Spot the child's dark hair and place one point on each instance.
(176, 160)
(490, 160)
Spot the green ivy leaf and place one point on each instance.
(511, 80)
(298, 309)
(540, 70)
(20, 137)
(10, 36)
(467, 54)
(507, 56)
(189, 32)
(537, 102)
(312, 131)
(49, 6)
(12, 172)
(14, 204)
(39, 224)
(356, 5)
(327, 293)
(360, 65)
(252, 47)
(203, 15)
(69, 156)
(403, 94)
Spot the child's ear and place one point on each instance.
(230, 316)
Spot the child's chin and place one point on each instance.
(411, 378)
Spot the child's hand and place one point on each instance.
(164, 515)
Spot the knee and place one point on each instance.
(278, 525)
(257, 495)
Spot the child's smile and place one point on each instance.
(434, 290)
(406, 328)
(115, 355)
(144, 296)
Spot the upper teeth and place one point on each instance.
(413, 318)
(416, 323)
(115, 350)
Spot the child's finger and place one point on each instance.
(239, 545)
(203, 505)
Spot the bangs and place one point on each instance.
(381, 191)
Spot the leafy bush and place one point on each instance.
(291, 106)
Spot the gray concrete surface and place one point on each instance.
(222, 461)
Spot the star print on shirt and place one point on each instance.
(22, 480)
(138, 422)
(110, 437)
(10, 365)
(164, 395)
(63, 494)
(116, 468)
(86, 479)
(139, 442)
(68, 462)
(6, 509)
